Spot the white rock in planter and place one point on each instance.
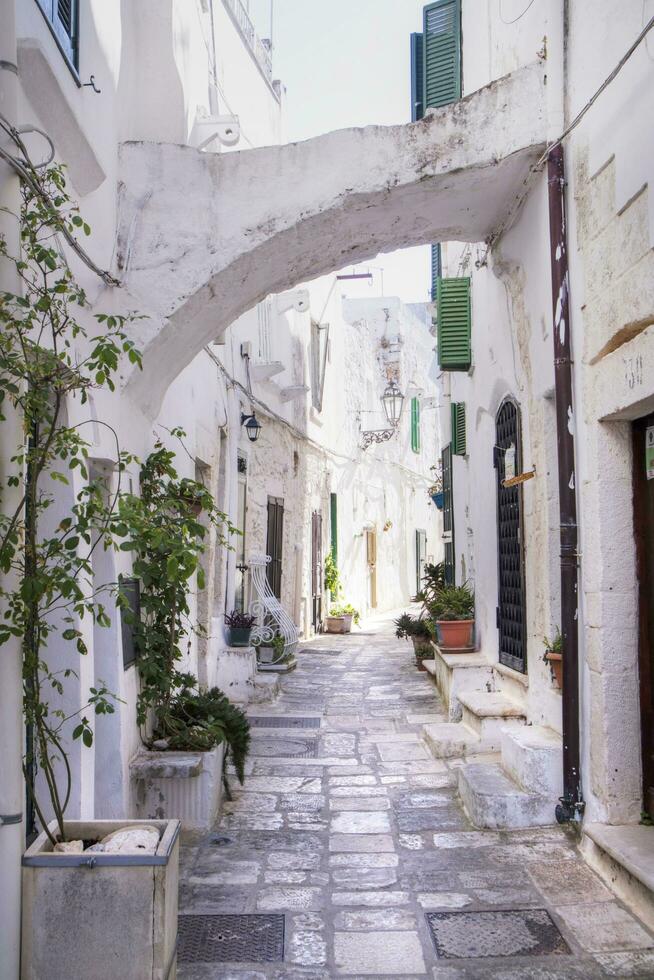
(132, 840)
(187, 786)
(98, 915)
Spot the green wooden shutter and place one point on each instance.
(442, 53)
(453, 304)
(458, 428)
(333, 523)
(436, 269)
(415, 424)
(417, 78)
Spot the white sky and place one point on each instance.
(346, 63)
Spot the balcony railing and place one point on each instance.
(260, 50)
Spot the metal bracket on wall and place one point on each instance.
(7, 819)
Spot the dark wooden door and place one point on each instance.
(511, 612)
(274, 542)
(316, 570)
(448, 515)
(421, 557)
(643, 431)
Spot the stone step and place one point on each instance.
(456, 672)
(493, 801)
(489, 713)
(532, 757)
(623, 855)
(265, 689)
(451, 740)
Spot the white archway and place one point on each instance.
(203, 237)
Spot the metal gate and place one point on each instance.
(511, 612)
(316, 571)
(274, 541)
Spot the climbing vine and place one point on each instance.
(49, 362)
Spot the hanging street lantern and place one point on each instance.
(252, 426)
(392, 400)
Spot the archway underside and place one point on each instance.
(261, 221)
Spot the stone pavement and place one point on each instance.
(350, 835)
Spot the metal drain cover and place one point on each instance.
(283, 748)
(518, 932)
(230, 938)
(282, 722)
(329, 651)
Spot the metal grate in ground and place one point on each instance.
(283, 748)
(280, 721)
(230, 938)
(328, 650)
(515, 932)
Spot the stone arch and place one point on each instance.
(260, 221)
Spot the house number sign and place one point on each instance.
(649, 452)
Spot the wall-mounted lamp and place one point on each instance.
(252, 426)
(392, 400)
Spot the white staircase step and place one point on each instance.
(532, 757)
(430, 667)
(456, 672)
(449, 740)
(623, 855)
(488, 713)
(266, 688)
(493, 801)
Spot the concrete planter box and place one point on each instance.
(186, 786)
(233, 670)
(101, 915)
(336, 624)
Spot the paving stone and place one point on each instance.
(363, 860)
(360, 803)
(309, 921)
(412, 842)
(252, 802)
(364, 878)
(358, 842)
(373, 899)
(639, 963)
(284, 877)
(251, 821)
(342, 781)
(443, 818)
(402, 753)
(378, 953)
(567, 883)
(354, 822)
(365, 792)
(302, 803)
(602, 926)
(387, 919)
(278, 899)
(443, 900)
(281, 784)
(338, 743)
(226, 872)
(308, 861)
(423, 801)
(466, 839)
(307, 949)
(436, 780)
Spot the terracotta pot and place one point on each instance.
(335, 624)
(455, 633)
(555, 660)
(348, 617)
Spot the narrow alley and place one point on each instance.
(347, 852)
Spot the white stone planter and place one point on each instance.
(100, 915)
(186, 786)
(233, 670)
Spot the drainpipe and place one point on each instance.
(11, 660)
(571, 805)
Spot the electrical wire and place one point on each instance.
(515, 19)
(537, 167)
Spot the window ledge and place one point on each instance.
(47, 97)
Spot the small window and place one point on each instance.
(62, 16)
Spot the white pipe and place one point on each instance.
(11, 685)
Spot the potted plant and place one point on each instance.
(271, 651)
(435, 491)
(348, 613)
(452, 607)
(421, 633)
(554, 657)
(239, 628)
(336, 624)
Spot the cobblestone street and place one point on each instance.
(351, 831)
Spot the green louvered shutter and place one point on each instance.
(459, 428)
(436, 269)
(333, 523)
(417, 78)
(453, 306)
(442, 53)
(415, 425)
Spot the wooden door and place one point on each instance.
(371, 558)
(316, 571)
(643, 445)
(274, 542)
